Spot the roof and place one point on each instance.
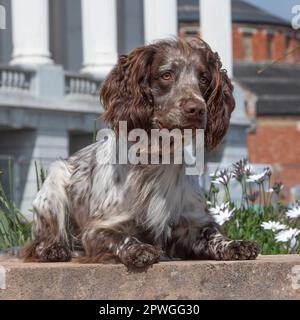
(242, 12)
(277, 88)
(247, 13)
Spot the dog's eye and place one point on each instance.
(203, 80)
(167, 76)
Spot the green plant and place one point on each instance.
(95, 130)
(40, 175)
(260, 214)
(15, 229)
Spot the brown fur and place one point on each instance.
(130, 213)
(126, 94)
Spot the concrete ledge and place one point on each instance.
(268, 277)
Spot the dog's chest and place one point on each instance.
(159, 197)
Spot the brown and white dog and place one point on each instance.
(131, 213)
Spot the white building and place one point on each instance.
(53, 55)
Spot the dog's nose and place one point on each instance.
(194, 108)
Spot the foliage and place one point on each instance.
(260, 214)
(40, 175)
(15, 229)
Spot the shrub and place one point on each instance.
(15, 229)
(260, 215)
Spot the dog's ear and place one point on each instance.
(220, 102)
(125, 94)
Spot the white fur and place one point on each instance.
(154, 197)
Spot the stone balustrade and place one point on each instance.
(15, 79)
(80, 85)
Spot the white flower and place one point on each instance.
(273, 225)
(220, 180)
(293, 213)
(217, 209)
(222, 213)
(256, 177)
(260, 177)
(288, 235)
(221, 177)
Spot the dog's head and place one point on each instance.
(170, 84)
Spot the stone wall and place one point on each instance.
(268, 277)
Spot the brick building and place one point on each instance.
(256, 34)
(274, 106)
(272, 98)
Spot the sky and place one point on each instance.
(281, 8)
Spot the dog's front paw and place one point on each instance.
(240, 250)
(141, 256)
(41, 251)
(56, 252)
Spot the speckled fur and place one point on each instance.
(108, 212)
(124, 213)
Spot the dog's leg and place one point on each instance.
(207, 242)
(50, 219)
(113, 244)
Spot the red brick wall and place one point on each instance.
(276, 141)
(295, 57)
(278, 48)
(259, 41)
(259, 45)
(237, 43)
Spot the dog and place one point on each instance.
(131, 214)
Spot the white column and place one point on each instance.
(160, 19)
(30, 24)
(215, 18)
(99, 35)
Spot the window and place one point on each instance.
(287, 43)
(296, 54)
(269, 46)
(189, 32)
(247, 46)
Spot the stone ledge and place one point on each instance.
(268, 277)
